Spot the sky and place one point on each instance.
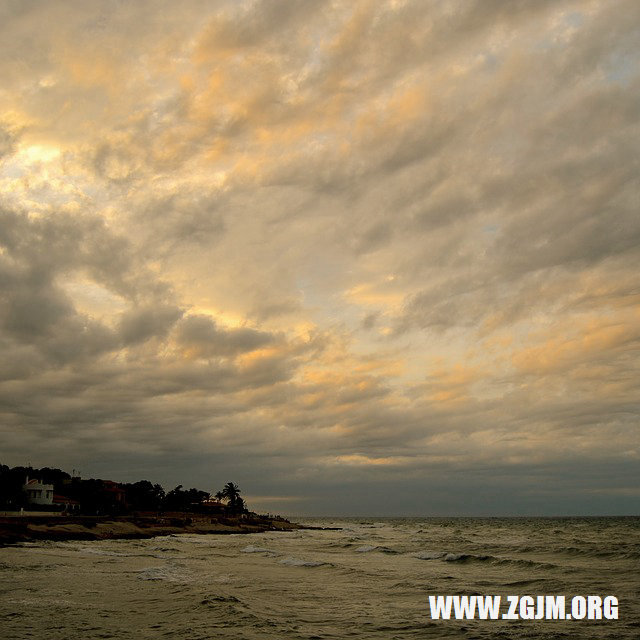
(360, 258)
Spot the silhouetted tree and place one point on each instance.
(144, 496)
(56, 477)
(231, 493)
(179, 500)
(93, 496)
(12, 496)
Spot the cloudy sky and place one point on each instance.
(358, 257)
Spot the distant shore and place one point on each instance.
(32, 528)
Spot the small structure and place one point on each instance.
(211, 505)
(114, 491)
(37, 492)
(69, 505)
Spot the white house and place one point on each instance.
(38, 493)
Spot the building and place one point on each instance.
(67, 504)
(211, 505)
(37, 492)
(115, 492)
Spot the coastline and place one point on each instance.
(17, 529)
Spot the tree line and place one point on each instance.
(94, 495)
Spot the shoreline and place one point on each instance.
(17, 529)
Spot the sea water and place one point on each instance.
(370, 579)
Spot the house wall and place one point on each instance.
(38, 493)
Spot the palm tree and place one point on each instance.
(231, 493)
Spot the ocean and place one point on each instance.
(371, 579)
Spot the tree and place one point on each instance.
(231, 493)
(144, 496)
(94, 497)
(12, 497)
(180, 500)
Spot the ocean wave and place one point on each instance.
(43, 602)
(590, 552)
(367, 548)
(466, 557)
(429, 555)
(296, 562)
(106, 552)
(251, 549)
(167, 573)
(166, 549)
(216, 599)
(522, 562)
(337, 545)
(525, 583)
(463, 558)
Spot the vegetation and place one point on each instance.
(144, 496)
(231, 493)
(180, 500)
(94, 496)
